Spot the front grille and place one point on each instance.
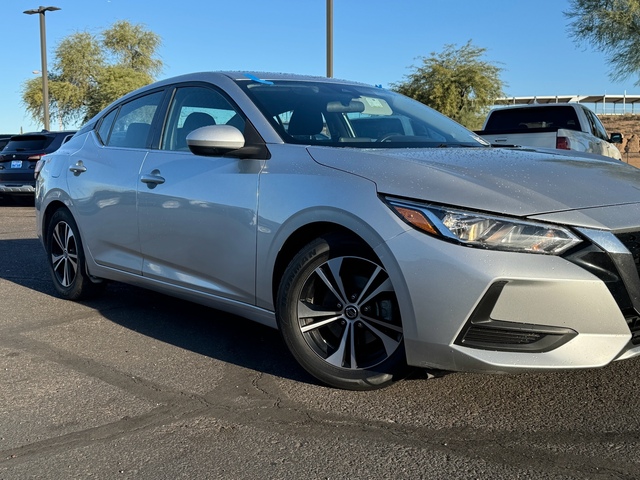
(634, 325)
(599, 263)
(632, 242)
(616, 270)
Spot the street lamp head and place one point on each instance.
(41, 10)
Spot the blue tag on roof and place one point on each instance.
(256, 79)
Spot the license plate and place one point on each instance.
(16, 163)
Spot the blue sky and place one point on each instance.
(375, 41)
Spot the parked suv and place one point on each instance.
(19, 157)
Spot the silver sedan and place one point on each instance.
(375, 233)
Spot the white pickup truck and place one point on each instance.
(566, 126)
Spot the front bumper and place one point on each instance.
(548, 313)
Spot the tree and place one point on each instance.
(456, 82)
(612, 27)
(90, 72)
(133, 47)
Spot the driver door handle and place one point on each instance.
(152, 179)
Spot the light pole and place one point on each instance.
(43, 53)
(329, 38)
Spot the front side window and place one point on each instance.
(132, 126)
(341, 115)
(193, 107)
(596, 125)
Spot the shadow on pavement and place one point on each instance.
(184, 324)
(199, 329)
(17, 201)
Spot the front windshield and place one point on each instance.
(347, 115)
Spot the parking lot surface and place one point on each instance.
(139, 385)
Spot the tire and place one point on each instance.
(65, 257)
(339, 316)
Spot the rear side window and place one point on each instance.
(132, 126)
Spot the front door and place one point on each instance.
(197, 215)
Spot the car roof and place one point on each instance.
(540, 105)
(245, 75)
(218, 77)
(249, 75)
(46, 133)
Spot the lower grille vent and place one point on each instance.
(481, 331)
(482, 335)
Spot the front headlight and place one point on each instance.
(486, 231)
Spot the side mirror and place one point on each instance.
(215, 140)
(616, 138)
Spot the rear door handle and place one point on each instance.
(78, 168)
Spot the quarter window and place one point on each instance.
(105, 126)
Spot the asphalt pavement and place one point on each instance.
(139, 385)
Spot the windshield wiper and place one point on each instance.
(459, 145)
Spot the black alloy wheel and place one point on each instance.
(339, 315)
(66, 259)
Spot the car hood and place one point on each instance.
(508, 181)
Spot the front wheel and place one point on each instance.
(339, 316)
(66, 259)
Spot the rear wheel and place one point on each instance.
(66, 259)
(339, 316)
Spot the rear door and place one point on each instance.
(103, 180)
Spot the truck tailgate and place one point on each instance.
(533, 139)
